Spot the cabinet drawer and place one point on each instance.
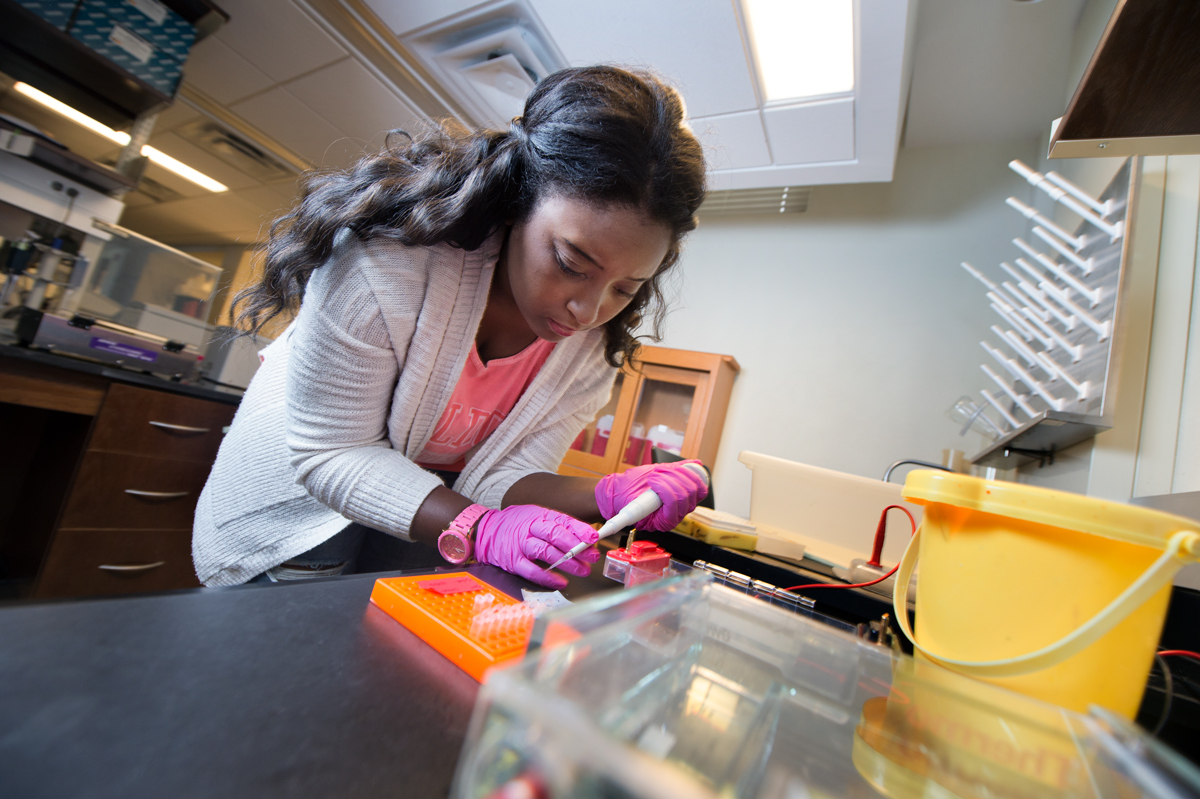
(103, 495)
(94, 562)
(140, 421)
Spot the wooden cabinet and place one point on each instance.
(665, 395)
(126, 521)
(99, 562)
(100, 477)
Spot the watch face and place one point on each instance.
(452, 547)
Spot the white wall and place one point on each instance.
(1168, 458)
(853, 323)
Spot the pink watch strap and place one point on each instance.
(464, 521)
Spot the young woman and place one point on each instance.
(464, 301)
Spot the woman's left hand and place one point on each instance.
(515, 537)
(679, 488)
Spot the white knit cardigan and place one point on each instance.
(348, 396)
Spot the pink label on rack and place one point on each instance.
(451, 585)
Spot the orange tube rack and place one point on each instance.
(444, 620)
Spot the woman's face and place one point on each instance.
(574, 265)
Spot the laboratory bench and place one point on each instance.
(302, 689)
(101, 472)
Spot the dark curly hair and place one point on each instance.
(600, 134)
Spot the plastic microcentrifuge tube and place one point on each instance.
(501, 619)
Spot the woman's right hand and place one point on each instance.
(513, 538)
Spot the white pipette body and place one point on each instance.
(642, 506)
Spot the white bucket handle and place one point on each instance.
(1160, 573)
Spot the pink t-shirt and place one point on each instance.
(482, 398)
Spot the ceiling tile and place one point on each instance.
(219, 72)
(345, 150)
(354, 101)
(700, 50)
(277, 38)
(811, 132)
(273, 201)
(402, 16)
(732, 141)
(173, 116)
(183, 221)
(134, 199)
(284, 118)
(176, 147)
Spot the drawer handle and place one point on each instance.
(157, 494)
(141, 567)
(179, 428)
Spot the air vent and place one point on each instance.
(488, 58)
(786, 200)
(235, 150)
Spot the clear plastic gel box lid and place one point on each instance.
(684, 688)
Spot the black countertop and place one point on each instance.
(269, 690)
(296, 690)
(202, 390)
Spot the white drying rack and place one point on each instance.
(1057, 306)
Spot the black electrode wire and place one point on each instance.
(1169, 686)
(71, 195)
(1191, 687)
(887, 475)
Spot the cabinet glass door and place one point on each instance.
(594, 439)
(597, 449)
(665, 414)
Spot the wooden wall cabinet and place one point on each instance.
(686, 392)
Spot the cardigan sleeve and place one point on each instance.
(344, 367)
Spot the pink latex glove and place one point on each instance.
(513, 538)
(679, 488)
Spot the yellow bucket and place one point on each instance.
(1058, 596)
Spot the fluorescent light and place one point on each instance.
(805, 48)
(70, 113)
(182, 169)
(121, 138)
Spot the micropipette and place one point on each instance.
(642, 506)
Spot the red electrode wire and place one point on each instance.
(1187, 653)
(876, 553)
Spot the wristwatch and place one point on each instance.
(457, 543)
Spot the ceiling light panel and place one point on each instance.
(804, 48)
